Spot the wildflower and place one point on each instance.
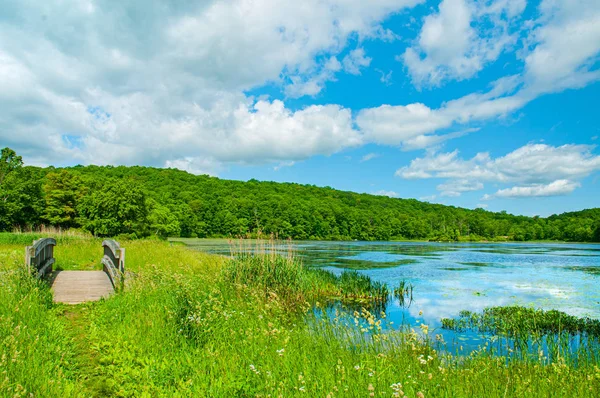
(420, 395)
(280, 352)
(356, 367)
(397, 388)
(371, 388)
(302, 389)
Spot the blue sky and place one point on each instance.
(490, 103)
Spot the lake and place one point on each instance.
(451, 277)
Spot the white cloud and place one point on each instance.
(355, 61)
(390, 194)
(194, 165)
(566, 46)
(411, 125)
(430, 198)
(369, 156)
(163, 83)
(452, 46)
(454, 188)
(482, 206)
(539, 169)
(311, 84)
(385, 78)
(556, 188)
(283, 164)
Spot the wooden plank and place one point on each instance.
(74, 287)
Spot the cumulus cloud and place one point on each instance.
(455, 188)
(562, 53)
(163, 83)
(390, 194)
(458, 40)
(311, 84)
(555, 188)
(413, 125)
(355, 61)
(565, 46)
(539, 169)
(430, 198)
(369, 156)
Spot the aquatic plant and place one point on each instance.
(183, 328)
(516, 320)
(289, 279)
(404, 293)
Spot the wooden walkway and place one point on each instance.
(75, 287)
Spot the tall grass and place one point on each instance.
(284, 275)
(531, 333)
(35, 354)
(27, 237)
(195, 325)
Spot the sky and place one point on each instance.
(492, 104)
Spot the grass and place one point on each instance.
(192, 324)
(529, 332)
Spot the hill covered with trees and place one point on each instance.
(142, 201)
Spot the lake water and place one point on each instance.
(450, 277)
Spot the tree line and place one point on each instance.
(142, 201)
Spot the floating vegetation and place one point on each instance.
(288, 278)
(517, 320)
(365, 264)
(476, 264)
(533, 335)
(589, 270)
(455, 269)
(404, 293)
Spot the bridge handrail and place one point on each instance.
(40, 256)
(114, 262)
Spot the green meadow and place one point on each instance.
(190, 324)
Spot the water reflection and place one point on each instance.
(449, 278)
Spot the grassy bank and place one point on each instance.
(192, 324)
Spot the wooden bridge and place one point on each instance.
(74, 287)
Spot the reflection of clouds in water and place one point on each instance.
(434, 309)
(543, 276)
(543, 290)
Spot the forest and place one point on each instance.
(135, 202)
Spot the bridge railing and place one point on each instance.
(40, 256)
(114, 262)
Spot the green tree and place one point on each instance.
(163, 222)
(62, 191)
(9, 162)
(22, 200)
(118, 207)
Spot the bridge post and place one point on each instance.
(114, 262)
(40, 256)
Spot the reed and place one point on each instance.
(191, 324)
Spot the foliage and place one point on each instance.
(9, 162)
(167, 202)
(35, 348)
(182, 329)
(118, 207)
(62, 192)
(516, 319)
(293, 283)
